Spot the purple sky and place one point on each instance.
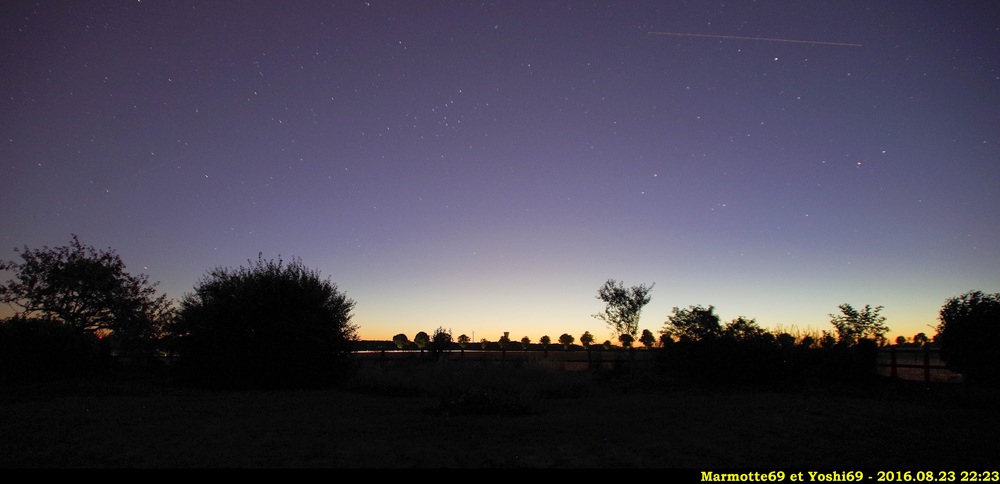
(486, 166)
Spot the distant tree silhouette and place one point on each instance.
(271, 324)
(441, 340)
(900, 340)
(623, 306)
(545, 341)
(463, 340)
(744, 329)
(665, 339)
(647, 339)
(90, 290)
(969, 334)
(827, 340)
(921, 339)
(484, 343)
(504, 341)
(400, 340)
(566, 339)
(422, 339)
(606, 344)
(625, 339)
(785, 340)
(693, 324)
(586, 339)
(525, 342)
(854, 324)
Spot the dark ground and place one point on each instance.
(454, 416)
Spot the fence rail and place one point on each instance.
(907, 363)
(912, 363)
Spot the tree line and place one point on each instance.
(279, 323)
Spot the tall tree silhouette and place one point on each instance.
(623, 306)
(88, 289)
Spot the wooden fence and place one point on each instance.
(915, 363)
(906, 363)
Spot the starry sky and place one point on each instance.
(486, 166)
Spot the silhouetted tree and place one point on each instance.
(606, 344)
(827, 340)
(441, 340)
(693, 324)
(421, 339)
(400, 340)
(921, 339)
(504, 341)
(623, 306)
(525, 342)
(665, 339)
(744, 330)
(545, 341)
(969, 334)
(463, 340)
(853, 324)
(647, 339)
(484, 343)
(566, 339)
(625, 339)
(586, 339)
(90, 290)
(807, 341)
(900, 340)
(271, 324)
(785, 340)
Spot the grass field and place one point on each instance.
(435, 415)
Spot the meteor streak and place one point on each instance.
(679, 34)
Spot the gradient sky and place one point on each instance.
(487, 166)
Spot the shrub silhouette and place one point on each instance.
(695, 323)
(856, 324)
(40, 349)
(969, 333)
(268, 325)
(762, 361)
(440, 342)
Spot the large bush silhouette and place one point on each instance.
(695, 323)
(38, 349)
(969, 333)
(271, 324)
(766, 361)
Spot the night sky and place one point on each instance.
(487, 166)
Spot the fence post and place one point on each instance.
(927, 364)
(892, 361)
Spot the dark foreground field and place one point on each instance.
(444, 415)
